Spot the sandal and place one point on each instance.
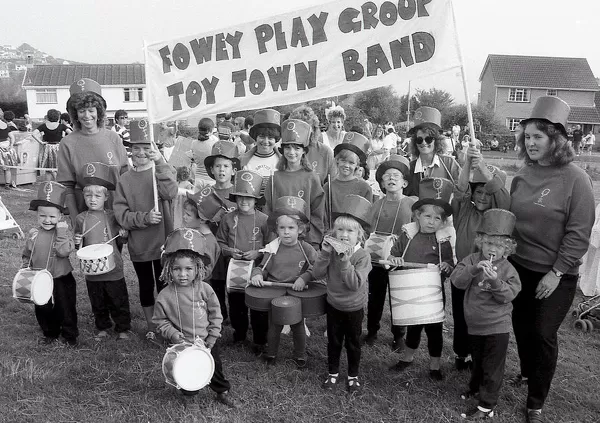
(331, 381)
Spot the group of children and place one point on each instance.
(277, 217)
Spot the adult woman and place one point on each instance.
(378, 153)
(426, 146)
(51, 132)
(89, 142)
(553, 201)
(335, 132)
(8, 155)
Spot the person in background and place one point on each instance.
(201, 149)
(8, 154)
(335, 132)
(28, 122)
(377, 154)
(577, 138)
(51, 132)
(589, 141)
(120, 127)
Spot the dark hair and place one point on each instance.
(227, 116)
(267, 132)
(183, 174)
(166, 274)
(9, 115)
(306, 114)
(83, 100)
(53, 115)
(206, 124)
(249, 121)
(282, 164)
(120, 113)
(438, 148)
(65, 117)
(560, 152)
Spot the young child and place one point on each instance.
(490, 283)
(387, 216)
(349, 156)
(422, 242)
(241, 234)
(346, 274)
(135, 212)
(296, 178)
(479, 188)
(187, 310)
(108, 291)
(48, 247)
(290, 260)
(221, 166)
(201, 149)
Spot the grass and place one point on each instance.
(114, 381)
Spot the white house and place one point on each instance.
(123, 87)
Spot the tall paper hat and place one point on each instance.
(356, 207)
(295, 131)
(426, 117)
(497, 222)
(210, 206)
(247, 183)
(395, 161)
(139, 131)
(436, 191)
(290, 206)
(355, 142)
(85, 85)
(551, 109)
(477, 178)
(266, 118)
(187, 239)
(50, 194)
(225, 149)
(97, 173)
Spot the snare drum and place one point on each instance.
(416, 297)
(379, 246)
(239, 273)
(96, 259)
(189, 367)
(33, 286)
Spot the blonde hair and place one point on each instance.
(509, 244)
(346, 154)
(169, 259)
(335, 112)
(95, 189)
(301, 225)
(348, 222)
(437, 209)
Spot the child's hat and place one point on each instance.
(497, 222)
(247, 183)
(210, 206)
(289, 206)
(295, 131)
(50, 194)
(139, 131)
(395, 161)
(355, 142)
(356, 207)
(436, 191)
(551, 109)
(477, 178)
(84, 85)
(97, 173)
(225, 149)
(426, 117)
(266, 118)
(187, 239)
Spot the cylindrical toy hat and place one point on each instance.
(247, 183)
(225, 149)
(436, 191)
(295, 131)
(266, 118)
(355, 142)
(85, 85)
(552, 109)
(477, 178)
(356, 207)
(289, 206)
(50, 194)
(426, 117)
(395, 161)
(497, 222)
(97, 173)
(139, 132)
(187, 239)
(210, 206)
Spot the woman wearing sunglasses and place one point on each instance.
(426, 145)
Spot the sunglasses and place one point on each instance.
(428, 140)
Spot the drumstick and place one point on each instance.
(93, 226)
(408, 264)
(281, 284)
(154, 186)
(112, 239)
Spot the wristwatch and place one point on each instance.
(558, 273)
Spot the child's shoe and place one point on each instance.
(467, 395)
(225, 399)
(353, 385)
(436, 375)
(476, 414)
(100, 336)
(331, 381)
(534, 416)
(300, 363)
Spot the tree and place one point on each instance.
(457, 115)
(380, 105)
(435, 98)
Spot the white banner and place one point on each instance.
(322, 51)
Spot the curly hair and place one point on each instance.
(183, 173)
(83, 100)
(66, 117)
(268, 132)
(169, 259)
(560, 152)
(438, 147)
(509, 244)
(335, 112)
(306, 114)
(9, 116)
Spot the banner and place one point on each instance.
(322, 51)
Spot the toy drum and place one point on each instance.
(314, 299)
(416, 297)
(379, 246)
(259, 298)
(96, 259)
(286, 310)
(189, 367)
(33, 286)
(239, 273)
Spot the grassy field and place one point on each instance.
(123, 382)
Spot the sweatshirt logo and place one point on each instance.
(540, 200)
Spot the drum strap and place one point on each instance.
(254, 231)
(439, 249)
(49, 251)
(395, 217)
(179, 309)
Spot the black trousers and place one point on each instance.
(218, 383)
(344, 328)
(460, 342)
(59, 317)
(489, 357)
(109, 299)
(378, 288)
(435, 339)
(148, 274)
(219, 286)
(536, 324)
(238, 313)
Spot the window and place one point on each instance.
(513, 123)
(520, 95)
(552, 92)
(46, 96)
(133, 94)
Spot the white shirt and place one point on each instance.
(419, 164)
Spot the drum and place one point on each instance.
(286, 310)
(96, 259)
(259, 298)
(314, 299)
(189, 367)
(33, 286)
(416, 297)
(239, 273)
(379, 246)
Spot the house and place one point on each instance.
(123, 87)
(510, 85)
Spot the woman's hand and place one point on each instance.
(546, 285)
(445, 267)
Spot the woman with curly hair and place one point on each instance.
(89, 142)
(426, 145)
(553, 201)
(335, 132)
(8, 154)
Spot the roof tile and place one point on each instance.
(584, 115)
(65, 75)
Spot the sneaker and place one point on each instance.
(122, 336)
(436, 375)
(534, 416)
(401, 365)
(330, 382)
(150, 336)
(475, 414)
(300, 362)
(463, 363)
(467, 395)
(353, 385)
(225, 399)
(518, 381)
(369, 339)
(101, 336)
(6, 186)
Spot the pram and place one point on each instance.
(587, 314)
(8, 223)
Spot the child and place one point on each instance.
(348, 157)
(422, 242)
(290, 261)
(241, 234)
(187, 310)
(48, 247)
(135, 212)
(387, 216)
(184, 178)
(201, 149)
(221, 165)
(490, 283)
(473, 195)
(346, 274)
(296, 178)
(107, 292)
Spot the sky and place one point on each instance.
(114, 31)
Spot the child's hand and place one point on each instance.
(123, 233)
(154, 155)
(396, 261)
(77, 238)
(299, 285)
(344, 256)
(180, 339)
(325, 246)
(490, 273)
(250, 255)
(257, 280)
(154, 217)
(236, 254)
(445, 267)
(62, 225)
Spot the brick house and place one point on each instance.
(511, 84)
